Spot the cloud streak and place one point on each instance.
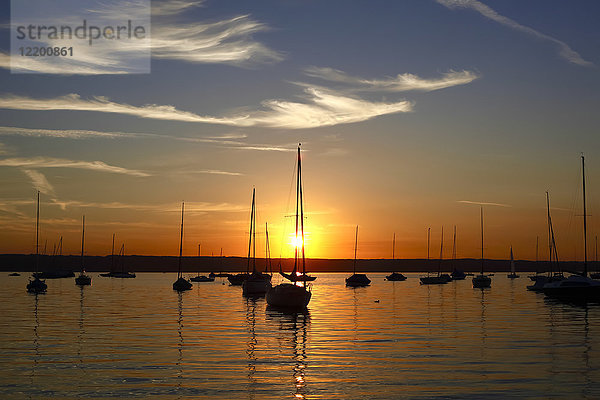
(400, 83)
(564, 50)
(228, 41)
(231, 141)
(39, 182)
(321, 107)
(48, 162)
(481, 203)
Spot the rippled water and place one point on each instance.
(138, 338)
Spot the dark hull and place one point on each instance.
(288, 296)
(358, 280)
(83, 280)
(395, 277)
(433, 280)
(182, 284)
(238, 279)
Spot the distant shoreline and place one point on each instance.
(26, 262)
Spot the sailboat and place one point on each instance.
(53, 272)
(580, 286)
(257, 283)
(482, 280)
(395, 276)
(181, 283)
(83, 279)
(112, 260)
(113, 273)
(292, 295)
(539, 279)
(512, 274)
(456, 274)
(37, 285)
(122, 273)
(440, 278)
(357, 280)
(201, 278)
(537, 274)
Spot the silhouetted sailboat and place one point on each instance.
(181, 283)
(395, 276)
(113, 272)
(112, 260)
(456, 274)
(201, 278)
(482, 280)
(83, 279)
(53, 272)
(37, 285)
(538, 273)
(440, 278)
(513, 274)
(356, 280)
(577, 287)
(551, 276)
(288, 295)
(257, 283)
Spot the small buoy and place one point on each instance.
(376, 301)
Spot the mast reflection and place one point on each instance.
(293, 334)
(251, 345)
(180, 344)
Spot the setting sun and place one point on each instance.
(296, 241)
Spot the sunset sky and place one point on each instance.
(410, 113)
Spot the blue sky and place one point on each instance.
(407, 111)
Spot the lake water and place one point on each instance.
(138, 338)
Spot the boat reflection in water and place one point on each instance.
(179, 362)
(292, 329)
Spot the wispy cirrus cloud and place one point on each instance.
(49, 162)
(39, 181)
(227, 41)
(482, 203)
(399, 83)
(563, 49)
(223, 42)
(321, 107)
(231, 140)
(191, 207)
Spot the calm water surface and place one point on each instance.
(138, 338)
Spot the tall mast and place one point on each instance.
(253, 233)
(584, 218)
(355, 246)
(82, 241)
(297, 195)
(394, 247)
(122, 254)
(549, 232)
(267, 250)
(481, 240)
(301, 211)
(180, 244)
(250, 235)
(454, 247)
(428, 233)
(37, 233)
(112, 255)
(537, 244)
(441, 252)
